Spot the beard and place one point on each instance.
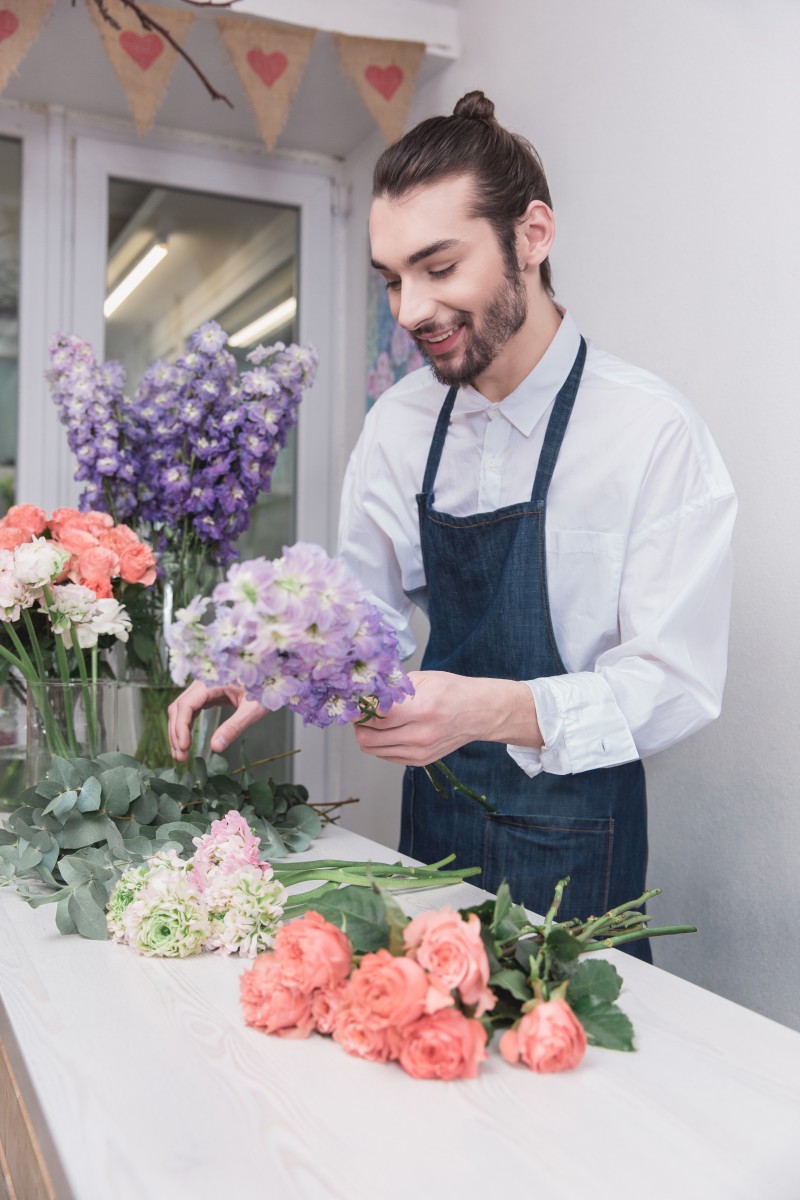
(503, 317)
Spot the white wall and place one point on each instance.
(670, 134)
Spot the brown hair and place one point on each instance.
(507, 170)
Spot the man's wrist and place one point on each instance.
(509, 713)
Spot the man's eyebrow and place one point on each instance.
(425, 252)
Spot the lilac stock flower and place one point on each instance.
(295, 632)
(187, 454)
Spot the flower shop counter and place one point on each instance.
(136, 1078)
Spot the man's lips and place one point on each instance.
(441, 341)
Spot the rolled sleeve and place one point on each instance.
(582, 726)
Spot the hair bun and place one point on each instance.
(475, 106)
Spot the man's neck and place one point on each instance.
(523, 351)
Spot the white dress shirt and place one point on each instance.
(639, 519)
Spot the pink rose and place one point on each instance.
(137, 564)
(11, 537)
(326, 1004)
(28, 517)
(548, 1038)
(269, 1001)
(94, 563)
(313, 953)
(387, 992)
(444, 1045)
(451, 949)
(362, 1041)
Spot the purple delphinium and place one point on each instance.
(295, 632)
(186, 456)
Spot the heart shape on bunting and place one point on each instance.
(143, 48)
(9, 24)
(385, 80)
(268, 67)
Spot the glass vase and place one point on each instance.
(13, 741)
(68, 720)
(143, 723)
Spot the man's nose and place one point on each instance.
(417, 306)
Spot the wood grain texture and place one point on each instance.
(22, 1166)
(152, 1086)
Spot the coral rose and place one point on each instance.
(94, 563)
(137, 564)
(11, 537)
(28, 517)
(313, 953)
(363, 1041)
(271, 1003)
(70, 518)
(119, 537)
(386, 991)
(451, 949)
(548, 1038)
(444, 1045)
(76, 540)
(326, 1004)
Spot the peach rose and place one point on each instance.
(444, 1045)
(269, 1002)
(76, 540)
(326, 1004)
(28, 517)
(358, 1039)
(548, 1038)
(313, 953)
(451, 949)
(137, 564)
(386, 991)
(94, 563)
(11, 537)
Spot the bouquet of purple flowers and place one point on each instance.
(294, 632)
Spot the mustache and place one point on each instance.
(431, 330)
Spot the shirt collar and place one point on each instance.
(526, 405)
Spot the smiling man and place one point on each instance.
(563, 518)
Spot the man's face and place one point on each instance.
(447, 278)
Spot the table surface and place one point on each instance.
(146, 1083)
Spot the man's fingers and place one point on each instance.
(248, 712)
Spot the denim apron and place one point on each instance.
(490, 616)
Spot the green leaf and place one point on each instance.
(596, 979)
(84, 830)
(605, 1024)
(120, 787)
(90, 795)
(64, 922)
(7, 838)
(74, 869)
(502, 905)
(295, 840)
(305, 818)
(29, 858)
(561, 946)
(88, 915)
(262, 798)
(62, 804)
(360, 913)
(115, 758)
(61, 771)
(145, 808)
(217, 765)
(515, 982)
(169, 809)
(200, 770)
(272, 844)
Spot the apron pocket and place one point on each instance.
(531, 853)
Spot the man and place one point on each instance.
(563, 518)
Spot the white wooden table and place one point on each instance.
(140, 1081)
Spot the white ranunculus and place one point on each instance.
(111, 617)
(12, 597)
(39, 562)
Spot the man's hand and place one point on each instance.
(197, 696)
(446, 712)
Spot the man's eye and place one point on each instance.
(443, 272)
(393, 285)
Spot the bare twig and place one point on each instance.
(151, 24)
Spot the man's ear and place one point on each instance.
(536, 231)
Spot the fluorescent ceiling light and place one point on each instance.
(132, 280)
(280, 315)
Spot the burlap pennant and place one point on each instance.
(20, 22)
(142, 59)
(384, 73)
(270, 59)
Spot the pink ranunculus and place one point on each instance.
(270, 1003)
(548, 1038)
(94, 563)
(451, 949)
(443, 1045)
(137, 564)
(313, 952)
(28, 517)
(387, 991)
(11, 537)
(326, 1004)
(363, 1041)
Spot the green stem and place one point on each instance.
(260, 762)
(25, 664)
(623, 938)
(89, 696)
(457, 785)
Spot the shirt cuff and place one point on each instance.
(581, 724)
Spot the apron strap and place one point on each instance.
(557, 427)
(439, 434)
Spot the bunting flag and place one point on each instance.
(20, 22)
(384, 74)
(142, 59)
(269, 59)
